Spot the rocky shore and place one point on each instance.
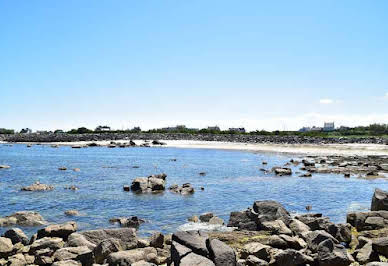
(265, 234)
(197, 137)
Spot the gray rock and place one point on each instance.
(256, 249)
(366, 254)
(126, 236)
(16, 235)
(205, 217)
(192, 240)
(78, 240)
(330, 254)
(254, 261)
(72, 213)
(314, 238)
(290, 257)
(216, 220)
(157, 240)
(17, 260)
(270, 210)
(193, 259)
(276, 227)
(106, 247)
(37, 187)
(243, 220)
(128, 257)
(70, 253)
(286, 242)
(380, 245)
(67, 263)
(220, 253)
(377, 264)
(23, 218)
(52, 243)
(281, 171)
(58, 230)
(131, 221)
(298, 227)
(379, 200)
(6, 247)
(178, 251)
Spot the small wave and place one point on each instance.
(204, 227)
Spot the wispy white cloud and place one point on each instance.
(386, 96)
(326, 101)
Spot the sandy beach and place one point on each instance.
(309, 149)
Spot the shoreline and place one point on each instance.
(306, 149)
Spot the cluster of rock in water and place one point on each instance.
(157, 184)
(370, 166)
(265, 234)
(182, 136)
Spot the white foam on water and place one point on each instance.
(204, 227)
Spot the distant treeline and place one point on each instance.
(371, 130)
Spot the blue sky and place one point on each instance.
(258, 64)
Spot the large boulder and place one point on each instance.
(380, 245)
(368, 220)
(58, 230)
(330, 254)
(290, 257)
(126, 236)
(193, 259)
(16, 235)
(256, 249)
(23, 218)
(314, 238)
(220, 253)
(153, 183)
(70, 253)
(379, 200)
(269, 210)
(129, 257)
(178, 251)
(52, 243)
(193, 240)
(106, 247)
(243, 220)
(78, 240)
(6, 247)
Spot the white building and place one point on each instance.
(328, 126)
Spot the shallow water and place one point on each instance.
(233, 182)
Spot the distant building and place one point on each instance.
(237, 130)
(103, 129)
(328, 126)
(179, 128)
(216, 128)
(26, 131)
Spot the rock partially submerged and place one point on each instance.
(37, 186)
(151, 184)
(4, 166)
(131, 221)
(23, 218)
(185, 189)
